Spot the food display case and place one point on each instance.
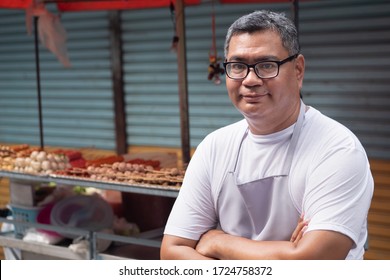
(146, 202)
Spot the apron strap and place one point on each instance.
(233, 169)
(294, 139)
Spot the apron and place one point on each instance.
(262, 209)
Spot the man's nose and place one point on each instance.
(252, 78)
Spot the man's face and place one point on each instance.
(264, 101)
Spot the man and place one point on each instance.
(248, 183)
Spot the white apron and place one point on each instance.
(262, 209)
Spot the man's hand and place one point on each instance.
(207, 240)
(299, 230)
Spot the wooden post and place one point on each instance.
(38, 73)
(117, 79)
(182, 79)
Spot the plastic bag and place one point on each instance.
(53, 36)
(41, 237)
(51, 32)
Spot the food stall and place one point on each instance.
(153, 188)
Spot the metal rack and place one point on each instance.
(166, 191)
(149, 238)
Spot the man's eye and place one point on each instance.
(238, 67)
(266, 66)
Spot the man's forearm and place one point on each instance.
(313, 245)
(219, 245)
(175, 248)
(182, 253)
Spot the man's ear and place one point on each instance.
(300, 68)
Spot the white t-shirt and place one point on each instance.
(330, 179)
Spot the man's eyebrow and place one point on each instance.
(269, 57)
(257, 59)
(236, 58)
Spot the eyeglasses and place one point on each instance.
(263, 69)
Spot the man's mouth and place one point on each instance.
(252, 98)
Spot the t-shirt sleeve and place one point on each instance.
(338, 193)
(193, 212)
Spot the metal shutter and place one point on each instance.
(18, 114)
(77, 102)
(347, 50)
(150, 77)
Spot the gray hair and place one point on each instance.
(266, 20)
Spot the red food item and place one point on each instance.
(79, 163)
(73, 155)
(21, 147)
(70, 154)
(104, 160)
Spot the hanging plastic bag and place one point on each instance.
(51, 32)
(53, 36)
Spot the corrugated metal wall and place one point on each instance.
(77, 104)
(347, 49)
(18, 114)
(150, 74)
(346, 44)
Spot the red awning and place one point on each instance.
(90, 5)
(118, 4)
(15, 4)
(250, 1)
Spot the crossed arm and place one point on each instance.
(215, 244)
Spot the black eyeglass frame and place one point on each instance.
(249, 66)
